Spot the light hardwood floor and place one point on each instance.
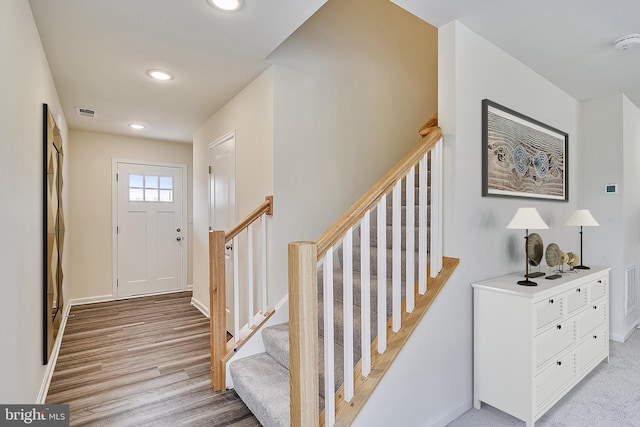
(143, 361)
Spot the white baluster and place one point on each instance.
(365, 293)
(236, 291)
(250, 288)
(329, 362)
(410, 227)
(347, 299)
(396, 257)
(263, 253)
(436, 209)
(422, 224)
(382, 273)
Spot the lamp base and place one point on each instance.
(527, 283)
(582, 267)
(534, 274)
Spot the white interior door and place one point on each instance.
(150, 231)
(222, 206)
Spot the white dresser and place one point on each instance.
(532, 345)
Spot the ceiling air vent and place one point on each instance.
(86, 112)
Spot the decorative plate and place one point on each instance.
(536, 249)
(552, 255)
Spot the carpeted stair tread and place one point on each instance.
(276, 342)
(263, 385)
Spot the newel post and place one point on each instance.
(303, 334)
(217, 308)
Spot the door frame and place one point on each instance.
(114, 219)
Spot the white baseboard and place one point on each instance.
(90, 300)
(623, 337)
(446, 418)
(53, 358)
(203, 309)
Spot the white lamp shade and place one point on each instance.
(527, 218)
(582, 217)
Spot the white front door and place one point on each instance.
(150, 229)
(222, 207)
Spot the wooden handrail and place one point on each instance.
(431, 123)
(351, 217)
(265, 208)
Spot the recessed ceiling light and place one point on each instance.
(630, 41)
(226, 5)
(159, 75)
(136, 126)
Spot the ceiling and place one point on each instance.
(100, 50)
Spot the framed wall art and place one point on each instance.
(522, 157)
(53, 227)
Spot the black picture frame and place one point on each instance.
(522, 157)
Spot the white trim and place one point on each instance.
(624, 337)
(51, 366)
(90, 300)
(447, 417)
(114, 217)
(201, 307)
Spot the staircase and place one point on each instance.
(262, 380)
(338, 327)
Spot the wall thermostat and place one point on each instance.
(611, 189)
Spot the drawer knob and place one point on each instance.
(599, 281)
(551, 301)
(559, 326)
(578, 290)
(559, 363)
(595, 307)
(595, 337)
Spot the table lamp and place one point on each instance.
(525, 219)
(583, 218)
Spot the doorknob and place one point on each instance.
(178, 230)
(178, 238)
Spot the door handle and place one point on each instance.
(178, 230)
(178, 238)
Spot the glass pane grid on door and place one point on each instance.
(150, 188)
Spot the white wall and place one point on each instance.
(250, 114)
(610, 129)
(631, 206)
(25, 84)
(353, 85)
(432, 377)
(89, 235)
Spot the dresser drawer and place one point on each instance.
(548, 311)
(576, 298)
(597, 289)
(595, 347)
(552, 379)
(553, 341)
(591, 318)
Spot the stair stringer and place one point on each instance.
(347, 412)
(255, 344)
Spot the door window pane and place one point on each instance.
(166, 195)
(166, 182)
(135, 195)
(136, 181)
(150, 195)
(150, 188)
(151, 182)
